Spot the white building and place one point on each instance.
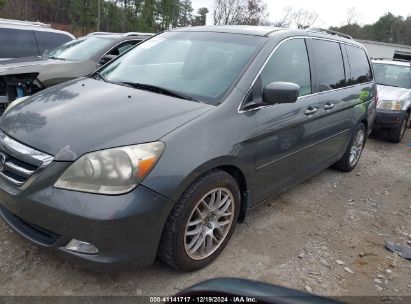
(386, 50)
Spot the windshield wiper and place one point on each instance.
(57, 58)
(160, 90)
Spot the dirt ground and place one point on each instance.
(325, 236)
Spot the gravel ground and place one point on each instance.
(325, 236)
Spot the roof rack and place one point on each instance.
(392, 59)
(331, 32)
(137, 34)
(120, 34)
(20, 22)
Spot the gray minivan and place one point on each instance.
(163, 150)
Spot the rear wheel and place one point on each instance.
(201, 223)
(396, 135)
(354, 149)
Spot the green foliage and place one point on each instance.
(388, 28)
(115, 15)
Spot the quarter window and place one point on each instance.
(289, 63)
(49, 40)
(330, 66)
(359, 65)
(17, 43)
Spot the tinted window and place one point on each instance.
(49, 40)
(289, 63)
(330, 66)
(17, 43)
(359, 65)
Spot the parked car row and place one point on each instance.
(24, 76)
(161, 151)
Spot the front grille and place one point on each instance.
(34, 232)
(18, 162)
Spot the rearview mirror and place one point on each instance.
(106, 59)
(281, 92)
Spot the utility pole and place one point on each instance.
(98, 15)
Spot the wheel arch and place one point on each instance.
(230, 165)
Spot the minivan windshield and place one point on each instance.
(80, 49)
(393, 75)
(201, 65)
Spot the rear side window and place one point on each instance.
(329, 65)
(289, 63)
(359, 65)
(17, 43)
(49, 40)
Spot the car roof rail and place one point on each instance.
(20, 22)
(137, 34)
(391, 59)
(330, 32)
(102, 33)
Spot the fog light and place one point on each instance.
(82, 247)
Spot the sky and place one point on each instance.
(330, 13)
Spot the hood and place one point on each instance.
(392, 93)
(25, 62)
(85, 115)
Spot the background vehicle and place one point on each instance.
(76, 58)
(24, 38)
(204, 123)
(394, 94)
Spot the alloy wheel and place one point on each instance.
(356, 147)
(209, 223)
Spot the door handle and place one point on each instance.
(310, 110)
(328, 106)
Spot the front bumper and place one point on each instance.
(126, 229)
(388, 119)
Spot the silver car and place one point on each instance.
(394, 94)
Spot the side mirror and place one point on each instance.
(106, 59)
(281, 92)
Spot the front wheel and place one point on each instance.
(201, 223)
(397, 134)
(354, 149)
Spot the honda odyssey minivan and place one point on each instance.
(162, 151)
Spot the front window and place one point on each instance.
(393, 75)
(202, 65)
(80, 49)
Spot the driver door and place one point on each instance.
(287, 132)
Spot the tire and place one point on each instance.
(176, 248)
(395, 135)
(346, 163)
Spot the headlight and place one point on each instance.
(111, 171)
(389, 105)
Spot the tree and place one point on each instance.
(352, 15)
(83, 14)
(201, 18)
(285, 20)
(250, 12)
(302, 18)
(186, 13)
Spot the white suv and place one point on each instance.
(394, 94)
(26, 39)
